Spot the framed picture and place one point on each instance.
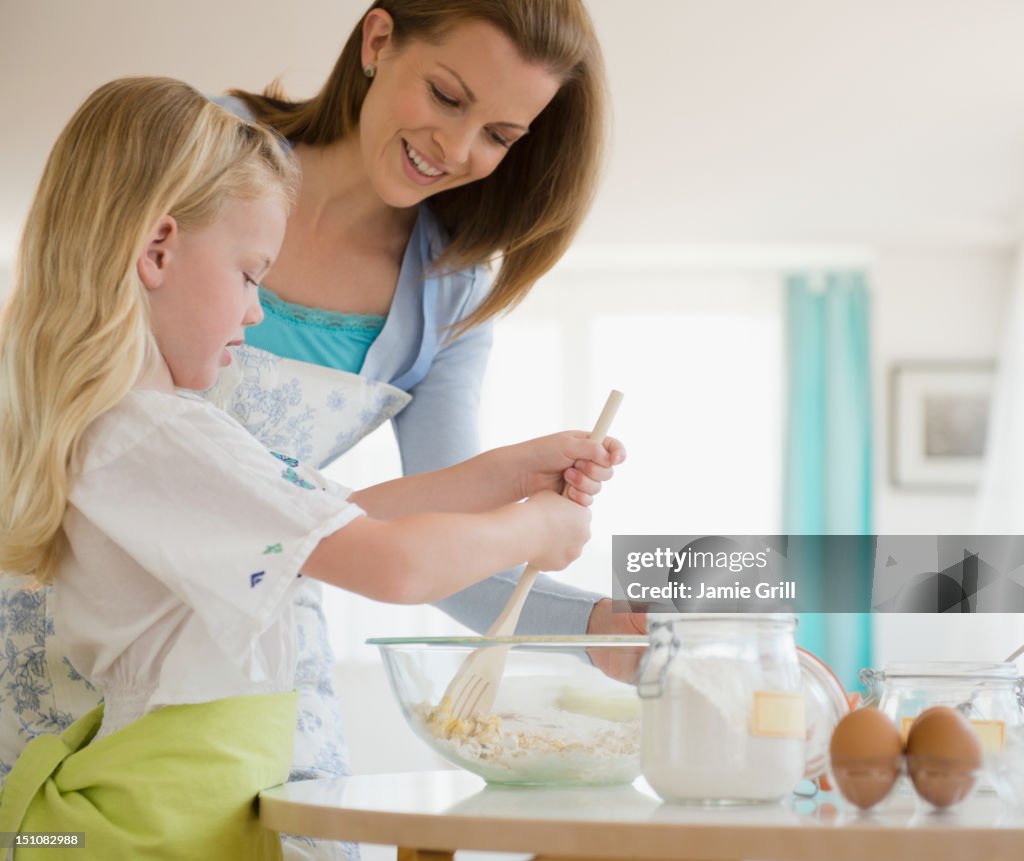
(938, 423)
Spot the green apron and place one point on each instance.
(179, 783)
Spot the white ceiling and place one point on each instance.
(800, 119)
(737, 121)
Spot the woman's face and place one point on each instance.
(442, 115)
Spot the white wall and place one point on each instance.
(60, 50)
(940, 303)
(931, 302)
(798, 120)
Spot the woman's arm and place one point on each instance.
(439, 428)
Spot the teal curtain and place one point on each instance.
(828, 485)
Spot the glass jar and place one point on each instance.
(827, 703)
(722, 715)
(991, 696)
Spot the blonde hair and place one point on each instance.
(528, 210)
(75, 335)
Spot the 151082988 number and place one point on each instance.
(9, 839)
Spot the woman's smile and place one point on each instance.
(418, 167)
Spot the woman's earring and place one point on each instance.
(369, 70)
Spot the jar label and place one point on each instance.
(778, 714)
(991, 733)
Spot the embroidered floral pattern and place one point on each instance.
(313, 413)
(319, 742)
(292, 476)
(291, 461)
(28, 701)
(336, 401)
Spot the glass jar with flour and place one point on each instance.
(722, 709)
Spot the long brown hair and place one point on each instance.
(75, 335)
(528, 210)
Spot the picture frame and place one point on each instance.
(938, 424)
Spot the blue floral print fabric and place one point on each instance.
(307, 412)
(40, 692)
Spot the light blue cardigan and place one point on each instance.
(440, 426)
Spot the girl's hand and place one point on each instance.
(566, 527)
(568, 459)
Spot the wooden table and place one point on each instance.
(431, 814)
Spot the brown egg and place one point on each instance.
(926, 712)
(943, 756)
(866, 752)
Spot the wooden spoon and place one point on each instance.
(475, 685)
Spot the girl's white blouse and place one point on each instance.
(185, 541)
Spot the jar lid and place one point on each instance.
(671, 618)
(974, 670)
(582, 640)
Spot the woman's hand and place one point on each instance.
(620, 664)
(568, 459)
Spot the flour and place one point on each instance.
(697, 744)
(547, 746)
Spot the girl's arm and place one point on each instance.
(424, 557)
(500, 476)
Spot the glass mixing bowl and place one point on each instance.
(566, 711)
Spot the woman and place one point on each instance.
(450, 133)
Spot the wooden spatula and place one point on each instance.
(475, 686)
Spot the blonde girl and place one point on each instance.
(173, 539)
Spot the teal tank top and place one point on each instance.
(327, 338)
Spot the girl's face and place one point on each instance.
(202, 285)
(442, 115)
